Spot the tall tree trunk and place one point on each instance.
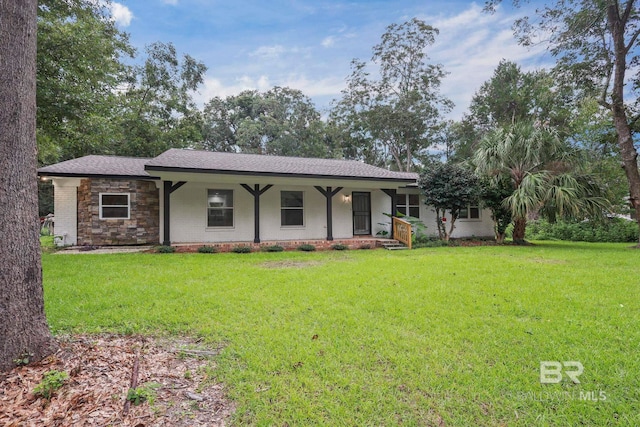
(24, 334)
(519, 228)
(617, 23)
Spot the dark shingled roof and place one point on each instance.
(99, 166)
(255, 164)
(176, 160)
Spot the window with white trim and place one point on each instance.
(114, 206)
(471, 212)
(408, 204)
(291, 208)
(219, 208)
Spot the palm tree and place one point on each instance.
(544, 171)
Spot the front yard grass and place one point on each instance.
(441, 336)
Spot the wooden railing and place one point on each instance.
(402, 231)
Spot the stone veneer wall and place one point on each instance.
(143, 226)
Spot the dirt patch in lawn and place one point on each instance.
(291, 264)
(174, 375)
(547, 261)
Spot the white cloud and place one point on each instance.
(327, 86)
(121, 14)
(268, 52)
(171, 2)
(470, 46)
(215, 86)
(328, 41)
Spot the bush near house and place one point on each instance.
(307, 248)
(242, 249)
(207, 249)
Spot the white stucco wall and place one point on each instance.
(189, 214)
(65, 208)
(482, 227)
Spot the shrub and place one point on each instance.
(144, 393)
(306, 248)
(51, 382)
(165, 249)
(207, 249)
(609, 230)
(242, 249)
(273, 248)
(365, 246)
(339, 247)
(430, 243)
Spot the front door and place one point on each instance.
(361, 213)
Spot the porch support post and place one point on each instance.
(168, 188)
(328, 194)
(256, 192)
(391, 192)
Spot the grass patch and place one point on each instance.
(433, 336)
(47, 244)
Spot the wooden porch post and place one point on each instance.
(256, 192)
(168, 188)
(328, 194)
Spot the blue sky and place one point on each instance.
(308, 45)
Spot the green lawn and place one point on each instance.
(446, 336)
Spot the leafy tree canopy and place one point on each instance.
(388, 120)
(449, 187)
(80, 66)
(597, 48)
(544, 172)
(158, 110)
(281, 121)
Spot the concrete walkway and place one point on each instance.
(103, 250)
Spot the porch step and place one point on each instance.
(393, 245)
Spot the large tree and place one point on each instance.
(281, 121)
(80, 67)
(24, 334)
(389, 119)
(509, 96)
(597, 46)
(543, 171)
(158, 110)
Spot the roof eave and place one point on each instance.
(93, 175)
(273, 174)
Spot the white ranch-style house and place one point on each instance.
(202, 197)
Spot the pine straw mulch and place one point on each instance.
(101, 370)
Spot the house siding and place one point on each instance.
(142, 227)
(66, 213)
(188, 218)
(482, 227)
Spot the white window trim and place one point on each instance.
(233, 208)
(469, 212)
(114, 206)
(406, 204)
(304, 211)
